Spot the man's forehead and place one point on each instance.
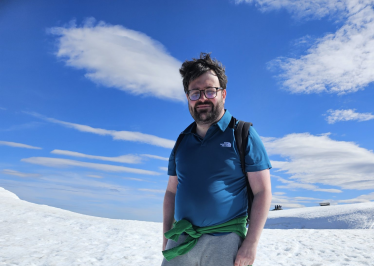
(209, 78)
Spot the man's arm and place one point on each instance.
(169, 204)
(261, 187)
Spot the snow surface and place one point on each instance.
(349, 216)
(34, 235)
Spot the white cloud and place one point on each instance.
(163, 168)
(135, 179)
(330, 190)
(116, 135)
(19, 174)
(292, 202)
(121, 58)
(318, 159)
(152, 190)
(301, 8)
(347, 115)
(292, 185)
(285, 202)
(95, 176)
(339, 62)
(24, 126)
(18, 145)
(127, 178)
(56, 162)
(279, 193)
(305, 198)
(71, 181)
(155, 157)
(96, 197)
(130, 158)
(359, 199)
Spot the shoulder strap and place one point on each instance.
(179, 140)
(241, 137)
(241, 132)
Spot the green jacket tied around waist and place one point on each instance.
(237, 225)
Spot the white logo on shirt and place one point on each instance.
(226, 144)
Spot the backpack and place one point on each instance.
(241, 131)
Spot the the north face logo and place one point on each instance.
(226, 144)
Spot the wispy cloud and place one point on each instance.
(279, 193)
(314, 159)
(56, 162)
(292, 185)
(155, 157)
(347, 115)
(95, 176)
(135, 179)
(2, 108)
(129, 158)
(152, 190)
(301, 8)
(18, 145)
(305, 198)
(359, 199)
(339, 62)
(116, 135)
(74, 184)
(290, 202)
(163, 168)
(19, 174)
(96, 197)
(117, 57)
(22, 126)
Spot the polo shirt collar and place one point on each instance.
(222, 123)
(190, 128)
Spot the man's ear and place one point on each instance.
(224, 94)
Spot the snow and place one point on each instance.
(7, 194)
(349, 216)
(34, 235)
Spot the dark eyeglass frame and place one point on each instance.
(217, 88)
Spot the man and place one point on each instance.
(207, 191)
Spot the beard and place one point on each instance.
(206, 116)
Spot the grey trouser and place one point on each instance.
(209, 251)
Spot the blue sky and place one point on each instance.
(91, 100)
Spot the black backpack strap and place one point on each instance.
(179, 140)
(241, 137)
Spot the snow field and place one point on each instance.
(39, 235)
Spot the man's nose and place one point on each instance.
(202, 96)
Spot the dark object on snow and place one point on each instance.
(324, 204)
(277, 208)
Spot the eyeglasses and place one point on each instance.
(210, 93)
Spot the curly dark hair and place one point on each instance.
(193, 69)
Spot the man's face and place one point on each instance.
(206, 111)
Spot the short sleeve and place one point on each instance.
(172, 166)
(256, 158)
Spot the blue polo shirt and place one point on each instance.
(211, 186)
